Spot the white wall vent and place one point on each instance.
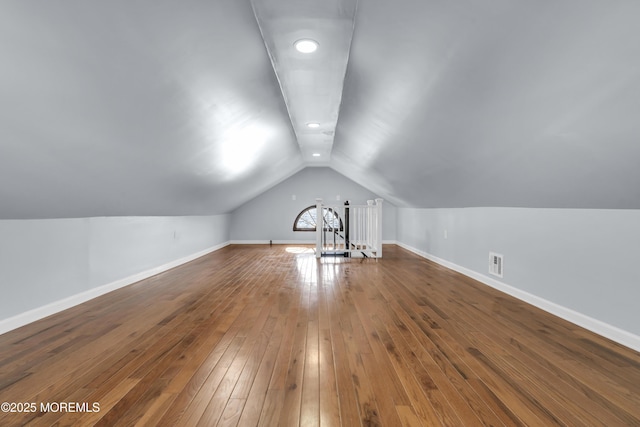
(496, 264)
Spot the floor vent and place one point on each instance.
(496, 264)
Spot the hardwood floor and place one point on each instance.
(259, 335)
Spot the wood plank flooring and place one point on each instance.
(269, 336)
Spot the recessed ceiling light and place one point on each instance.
(316, 154)
(313, 125)
(306, 45)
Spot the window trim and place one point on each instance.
(313, 207)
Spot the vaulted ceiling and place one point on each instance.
(194, 107)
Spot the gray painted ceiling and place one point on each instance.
(195, 107)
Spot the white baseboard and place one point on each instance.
(601, 328)
(275, 242)
(290, 242)
(30, 316)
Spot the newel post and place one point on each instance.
(319, 227)
(379, 226)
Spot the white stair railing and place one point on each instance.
(349, 230)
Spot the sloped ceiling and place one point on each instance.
(137, 108)
(194, 107)
(501, 103)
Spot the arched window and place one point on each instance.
(308, 219)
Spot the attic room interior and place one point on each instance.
(164, 167)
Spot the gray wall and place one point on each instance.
(582, 259)
(44, 261)
(270, 216)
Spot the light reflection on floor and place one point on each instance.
(300, 250)
(313, 271)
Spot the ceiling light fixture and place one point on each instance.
(313, 125)
(306, 45)
(316, 154)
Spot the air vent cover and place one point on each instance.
(496, 264)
